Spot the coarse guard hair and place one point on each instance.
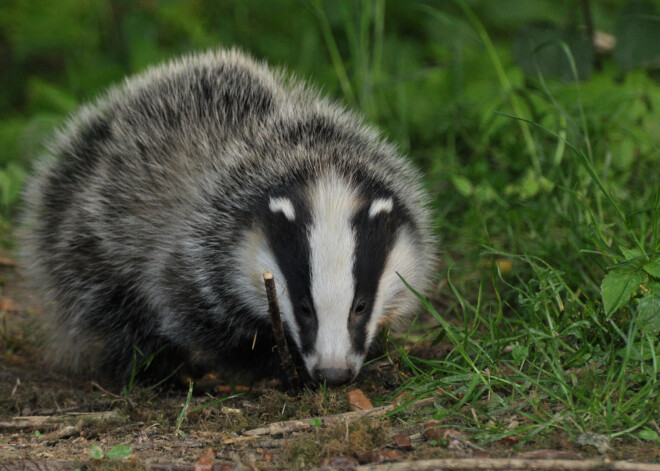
(156, 209)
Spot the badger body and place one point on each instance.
(156, 209)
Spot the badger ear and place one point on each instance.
(380, 205)
(282, 205)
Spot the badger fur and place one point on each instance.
(156, 209)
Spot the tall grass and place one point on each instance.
(540, 211)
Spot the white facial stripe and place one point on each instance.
(284, 206)
(252, 258)
(393, 299)
(332, 245)
(380, 205)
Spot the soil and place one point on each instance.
(51, 420)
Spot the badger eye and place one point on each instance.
(306, 308)
(360, 307)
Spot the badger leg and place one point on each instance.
(124, 330)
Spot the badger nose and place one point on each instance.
(333, 375)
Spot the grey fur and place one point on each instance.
(134, 216)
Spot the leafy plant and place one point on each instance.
(120, 452)
(96, 452)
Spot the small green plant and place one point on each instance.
(214, 402)
(316, 422)
(636, 278)
(140, 365)
(96, 452)
(120, 452)
(182, 415)
(324, 392)
(649, 435)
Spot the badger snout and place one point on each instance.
(334, 376)
(333, 370)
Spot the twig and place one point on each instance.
(512, 463)
(116, 396)
(170, 467)
(32, 465)
(63, 432)
(288, 426)
(42, 423)
(278, 332)
(49, 412)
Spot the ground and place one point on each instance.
(50, 419)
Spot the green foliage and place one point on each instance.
(120, 452)
(140, 368)
(96, 452)
(214, 402)
(618, 287)
(636, 278)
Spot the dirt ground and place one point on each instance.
(50, 420)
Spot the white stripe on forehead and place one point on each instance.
(284, 206)
(332, 255)
(381, 205)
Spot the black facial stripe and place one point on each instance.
(290, 244)
(375, 238)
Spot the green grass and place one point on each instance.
(547, 193)
(568, 337)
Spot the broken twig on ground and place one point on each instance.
(126, 399)
(511, 463)
(43, 423)
(289, 426)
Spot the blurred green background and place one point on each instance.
(417, 69)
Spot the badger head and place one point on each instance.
(336, 247)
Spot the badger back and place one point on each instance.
(157, 208)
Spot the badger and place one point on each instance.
(155, 210)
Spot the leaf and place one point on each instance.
(600, 442)
(95, 452)
(639, 351)
(120, 452)
(463, 185)
(184, 411)
(316, 422)
(358, 401)
(631, 254)
(648, 434)
(648, 311)
(519, 353)
(618, 287)
(653, 267)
